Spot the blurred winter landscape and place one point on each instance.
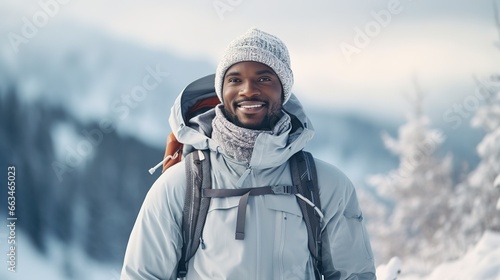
(86, 90)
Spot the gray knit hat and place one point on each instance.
(259, 46)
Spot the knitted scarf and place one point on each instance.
(238, 142)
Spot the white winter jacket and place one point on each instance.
(275, 244)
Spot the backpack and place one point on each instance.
(199, 192)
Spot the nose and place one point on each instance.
(249, 88)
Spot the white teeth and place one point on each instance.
(251, 106)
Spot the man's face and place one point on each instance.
(252, 95)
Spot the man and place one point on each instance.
(251, 138)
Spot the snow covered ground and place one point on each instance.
(481, 263)
(61, 263)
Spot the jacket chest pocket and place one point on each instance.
(284, 203)
(221, 219)
(288, 223)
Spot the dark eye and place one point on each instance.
(264, 79)
(233, 80)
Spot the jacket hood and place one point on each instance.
(269, 150)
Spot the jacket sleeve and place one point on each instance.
(346, 250)
(155, 243)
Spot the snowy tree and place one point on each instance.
(419, 190)
(477, 199)
(482, 196)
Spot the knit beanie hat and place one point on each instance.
(259, 46)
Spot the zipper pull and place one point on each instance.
(202, 243)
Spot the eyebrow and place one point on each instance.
(232, 74)
(260, 72)
(265, 71)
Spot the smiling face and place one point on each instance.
(252, 95)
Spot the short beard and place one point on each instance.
(267, 123)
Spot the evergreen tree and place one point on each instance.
(482, 197)
(419, 190)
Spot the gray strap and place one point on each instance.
(242, 205)
(253, 191)
(240, 220)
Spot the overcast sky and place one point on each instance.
(346, 54)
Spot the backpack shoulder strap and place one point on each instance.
(304, 176)
(195, 206)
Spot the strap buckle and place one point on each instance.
(283, 189)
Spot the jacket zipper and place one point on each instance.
(282, 245)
